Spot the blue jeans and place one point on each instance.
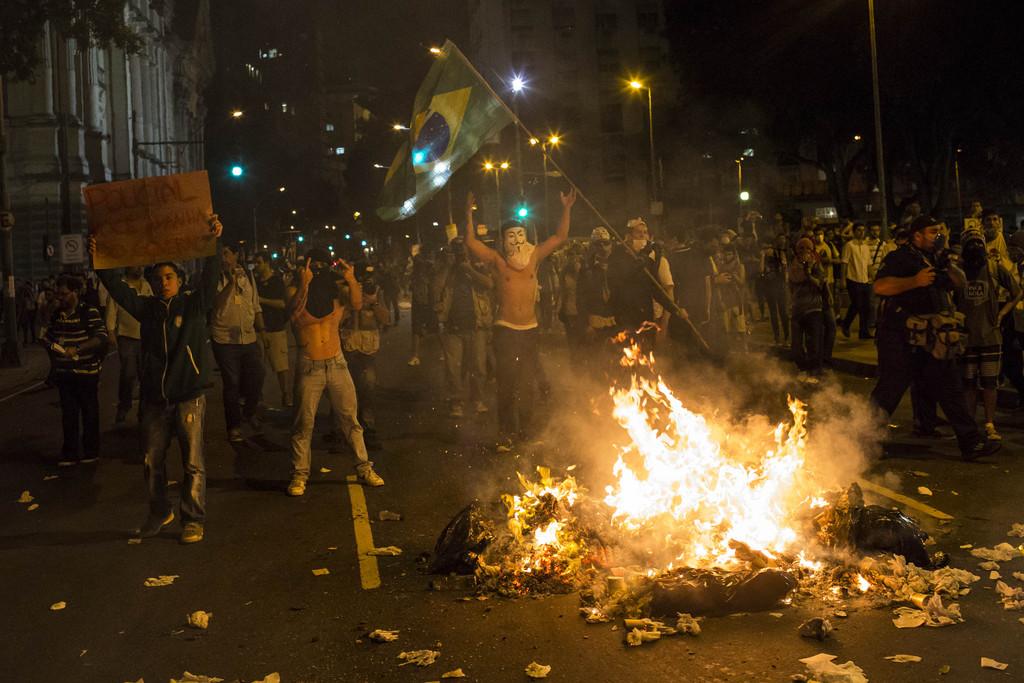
(241, 370)
(315, 376)
(159, 423)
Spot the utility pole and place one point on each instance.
(11, 349)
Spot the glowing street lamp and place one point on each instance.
(637, 85)
(356, 215)
(744, 196)
(518, 84)
(434, 50)
(399, 127)
(237, 114)
(497, 168)
(281, 189)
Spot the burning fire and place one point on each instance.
(684, 477)
(863, 584)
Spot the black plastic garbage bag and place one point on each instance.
(879, 528)
(466, 536)
(716, 592)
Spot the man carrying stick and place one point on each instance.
(515, 327)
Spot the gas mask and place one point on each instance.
(517, 250)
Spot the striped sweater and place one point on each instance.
(74, 328)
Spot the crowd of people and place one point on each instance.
(946, 310)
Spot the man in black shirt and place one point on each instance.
(275, 336)
(910, 285)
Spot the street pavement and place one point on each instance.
(254, 571)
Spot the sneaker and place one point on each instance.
(990, 432)
(297, 487)
(481, 407)
(368, 477)
(153, 525)
(980, 450)
(235, 435)
(67, 462)
(192, 533)
(92, 460)
(456, 410)
(504, 446)
(414, 361)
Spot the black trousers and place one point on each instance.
(80, 414)
(808, 341)
(129, 353)
(241, 370)
(860, 305)
(775, 294)
(516, 355)
(1013, 358)
(900, 365)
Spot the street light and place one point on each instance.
(434, 50)
(281, 189)
(497, 168)
(518, 86)
(237, 114)
(553, 141)
(744, 196)
(636, 86)
(399, 127)
(237, 171)
(879, 155)
(356, 215)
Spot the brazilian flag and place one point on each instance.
(455, 112)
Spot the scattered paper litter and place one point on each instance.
(386, 551)
(777, 615)
(456, 673)
(58, 606)
(535, 670)
(1012, 598)
(26, 497)
(325, 470)
(1017, 530)
(199, 619)
(823, 668)
(33, 506)
(419, 657)
(1004, 552)
(988, 565)
(1019, 576)
(966, 546)
(918, 473)
(162, 580)
(270, 678)
(196, 678)
(687, 625)
(322, 571)
(994, 575)
(135, 540)
(924, 490)
(934, 614)
(904, 659)
(51, 477)
(389, 516)
(987, 663)
(381, 636)
(1021, 620)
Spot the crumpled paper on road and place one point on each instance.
(924, 490)
(988, 565)
(270, 678)
(535, 670)
(386, 551)
(1012, 598)
(904, 659)
(456, 673)
(419, 657)
(33, 507)
(1019, 576)
(57, 606)
(934, 614)
(382, 636)
(196, 678)
(687, 625)
(26, 497)
(823, 669)
(162, 580)
(904, 579)
(199, 619)
(1004, 552)
(987, 663)
(1016, 531)
(322, 571)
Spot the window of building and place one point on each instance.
(338, 151)
(284, 107)
(329, 127)
(606, 22)
(270, 53)
(611, 117)
(608, 61)
(563, 18)
(647, 19)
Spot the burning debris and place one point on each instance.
(703, 518)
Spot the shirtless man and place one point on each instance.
(316, 313)
(515, 326)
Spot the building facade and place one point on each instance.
(576, 58)
(98, 114)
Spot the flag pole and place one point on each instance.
(676, 310)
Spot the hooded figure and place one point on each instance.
(323, 288)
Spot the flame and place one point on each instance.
(863, 584)
(682, 473)
(547, 535)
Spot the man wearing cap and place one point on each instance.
(173, 334)
(910, 285)
(635, 299)
(317, 312)
(515, 326)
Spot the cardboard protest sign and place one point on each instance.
(162, 218)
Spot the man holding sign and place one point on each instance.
(174, 372)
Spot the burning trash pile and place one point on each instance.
(704, 517)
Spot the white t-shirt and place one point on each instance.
(857, 257)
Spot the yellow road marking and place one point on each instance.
(900, 498)
(369, 573)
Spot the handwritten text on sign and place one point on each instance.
(162, 218)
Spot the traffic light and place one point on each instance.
(522, 211)
(237, 171)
